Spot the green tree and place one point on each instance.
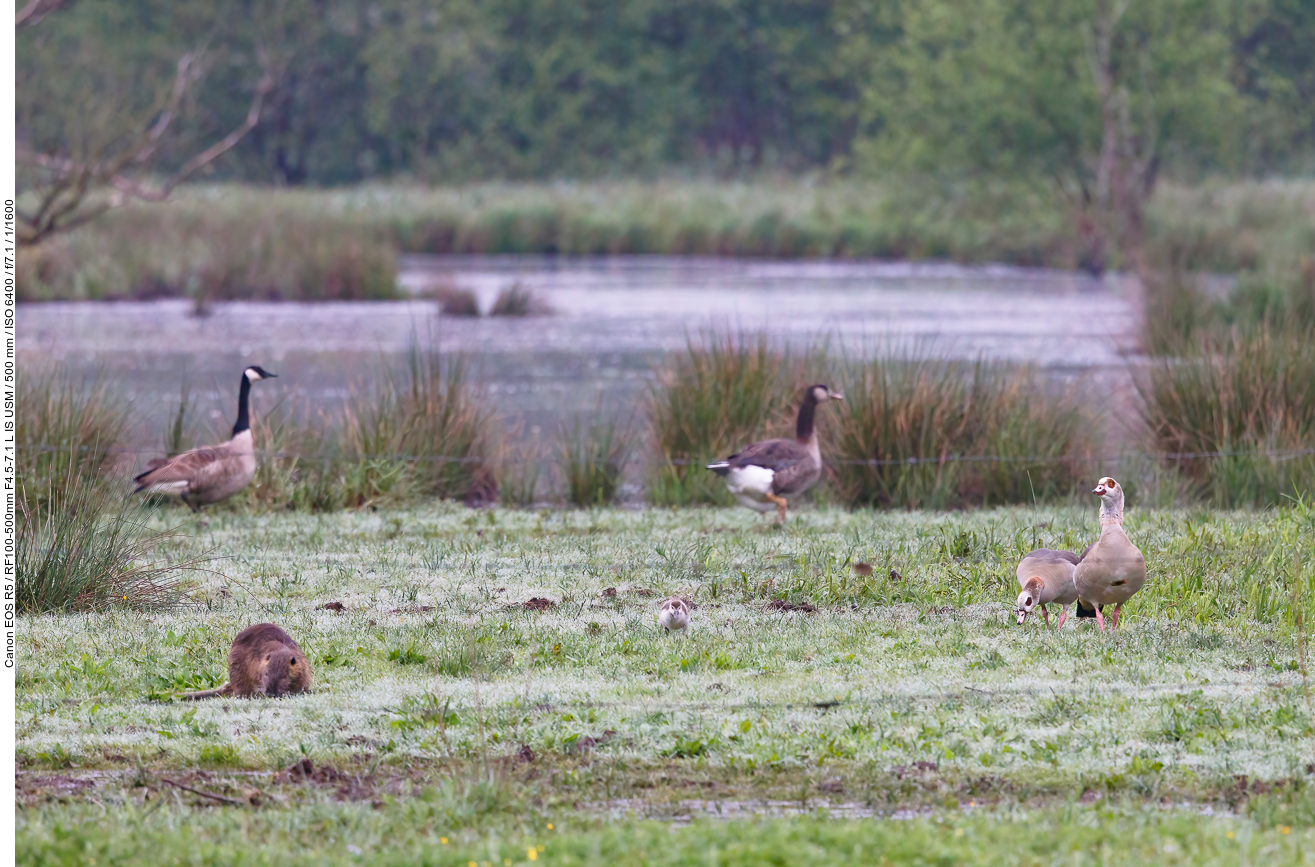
(1089, 96)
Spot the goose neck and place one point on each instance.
(243, 407)
(803, 429)
(1111, 517)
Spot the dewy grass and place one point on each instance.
(1241, 415)
(906, 413)
(446, 707)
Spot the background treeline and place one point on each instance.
(457, 90)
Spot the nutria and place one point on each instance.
(264, 660)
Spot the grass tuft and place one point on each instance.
(1249, 397)
(80, 542)
(900, 409)
(591, 457)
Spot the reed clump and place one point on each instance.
(919, 432)
(80, 541)
(1238, 418)
(519, 300)
(421, 432)
(591, 456)
(723, 392)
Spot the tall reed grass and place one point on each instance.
(591, 456)
(80, 541)
(1246, 404)
(724, 391)
(908, 421)
(404, 435)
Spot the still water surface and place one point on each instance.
(612, 320)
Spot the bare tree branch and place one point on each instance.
(31, 14)
(70, 195)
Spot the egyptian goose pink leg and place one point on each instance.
(1100, 621)
(1045, 613)
(1114, 618)
(1063, 615)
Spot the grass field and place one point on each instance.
(904, 718)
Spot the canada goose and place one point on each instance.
(673, 614)
(1046, 576)
(765, 473)
(208, 474)
(1113, 569)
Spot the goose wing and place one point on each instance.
(1048, 555)
(194, 467)
(775, 455)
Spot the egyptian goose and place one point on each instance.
(1113, 569)
(764, 474)
(1046, 576)
(673, 614)
(209, 474)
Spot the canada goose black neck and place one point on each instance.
(243, 402)
(803, 429)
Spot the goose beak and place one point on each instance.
(1022, 615)
(1100, 490)
(835, 395)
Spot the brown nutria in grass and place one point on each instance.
(264, 660)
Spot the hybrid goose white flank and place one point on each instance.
(673, 614)
(209, 474)
(1046, 576)
(1113, 569)
(765, 473)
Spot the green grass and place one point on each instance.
(444, 707)
(424, 832)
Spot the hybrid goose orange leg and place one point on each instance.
(780, 507)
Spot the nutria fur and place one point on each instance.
(264, 660)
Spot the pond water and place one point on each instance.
(612, 320)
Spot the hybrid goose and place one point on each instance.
(1113, 569)
(765, 473)
(1046, 576)
(209, 474)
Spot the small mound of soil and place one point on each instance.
(538, 603)
(782, 605)
(335, 606)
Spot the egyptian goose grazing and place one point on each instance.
(1113, 569)
(673, 614)
(209, 474)
(765, 473)
(1046, 576)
